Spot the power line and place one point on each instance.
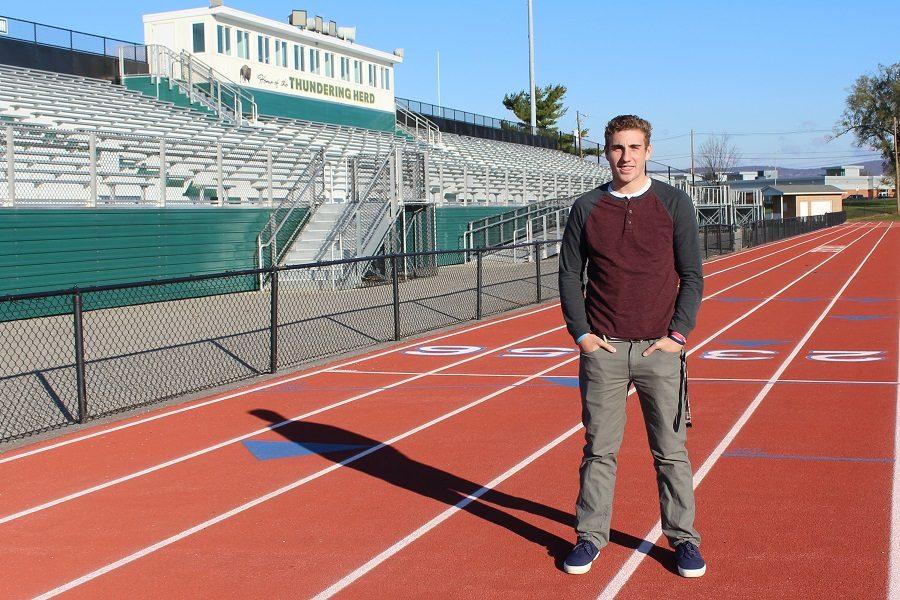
(743, 133)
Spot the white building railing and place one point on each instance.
(199, 82)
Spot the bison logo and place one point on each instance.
(245, 73)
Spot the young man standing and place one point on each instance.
(631, 318)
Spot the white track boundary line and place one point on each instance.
(172, 539)
(406, 541)
(634, 561)
(782, 263)
(723, 379)
(806, 241)
(148, 470)
(268, 385)
(216, 400)
(287, 488)
(894, 549)
(398, 546)
(768, 245)
(234, 440)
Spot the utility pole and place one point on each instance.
(531, 69)
(693, 180)
(776, 167)
(578, 135)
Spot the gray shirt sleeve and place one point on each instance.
(688, 265)
(572, 261)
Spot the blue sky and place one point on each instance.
(756, 68)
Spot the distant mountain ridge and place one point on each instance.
(871, 167)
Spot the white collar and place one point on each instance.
(643, 189)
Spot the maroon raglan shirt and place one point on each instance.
(644, 268)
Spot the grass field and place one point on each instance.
(877, 209)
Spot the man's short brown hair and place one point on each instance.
(623, 122)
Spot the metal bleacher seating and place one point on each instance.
(55, 117)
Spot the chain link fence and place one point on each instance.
(771, 230)
(75, 355)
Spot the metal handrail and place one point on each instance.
(292, 201)
(344, 221)
(194, 73)
(430, 130)
(238, 92)
(527, 213)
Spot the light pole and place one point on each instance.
(439, 80)
(531, 69)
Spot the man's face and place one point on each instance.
(627, 154)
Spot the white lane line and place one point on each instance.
(172, 539)
(234, 440)
(781, 291)
(185, 457)
(781, 264)
(631, 565)
(409, 539)
(287, 488)
(216, 400)
(783, 249)
(265, 386)
(894, 550)
(813, 235)
(166, 464)
(723, 379)
(381, 557)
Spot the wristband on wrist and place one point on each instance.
(677, 337)
(581, 337)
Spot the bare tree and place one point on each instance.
(717, 155)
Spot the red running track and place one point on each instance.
(455, 476)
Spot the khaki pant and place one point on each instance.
(604, 378)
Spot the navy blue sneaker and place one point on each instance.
(690, 563)
(580, 558)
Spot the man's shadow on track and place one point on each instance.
(393, 467)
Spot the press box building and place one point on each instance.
(306, 68)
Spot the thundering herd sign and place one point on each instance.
(305, 85)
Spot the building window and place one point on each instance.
(357, 71)
(329, 64)
(313, 61)
(373, 75)
(345, 68)
(299, 58)
(385, 78)
(281, 53)
(199, 37)
(262, 48)
(243, 44)
(223, 39)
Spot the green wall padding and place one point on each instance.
(144, 85)
(452, 222)
(52, 249)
